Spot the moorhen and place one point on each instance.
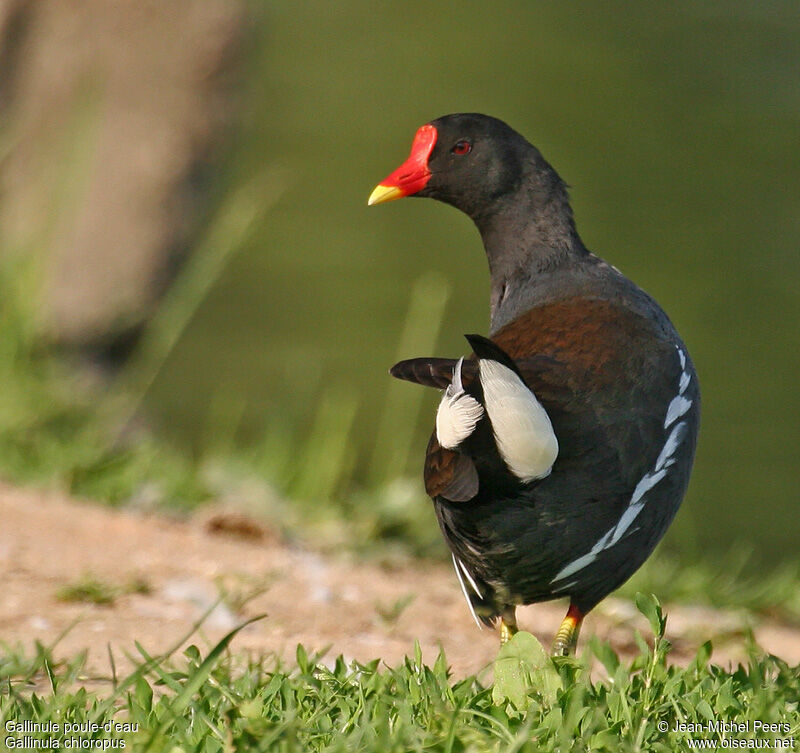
(563, 446)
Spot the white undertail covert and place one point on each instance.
(458, 413)
(522, 429)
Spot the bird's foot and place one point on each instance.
(507, 632)
(567, 636)
(508, 625)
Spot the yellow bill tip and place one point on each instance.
(384, 193)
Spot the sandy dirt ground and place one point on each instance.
(48, 542)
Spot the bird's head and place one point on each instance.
(467, 160)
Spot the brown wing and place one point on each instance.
(610, 365)
(449, 474)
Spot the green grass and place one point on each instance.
(90, 589)
(225, 701)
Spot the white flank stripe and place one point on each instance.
(673, 440)
(456, 564)
(576, 565)
(471, 580)
(458, 413)
(649, 480)
(565, 587)
(522, 429)
(626, 519)
(677, 408)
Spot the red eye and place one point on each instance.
(462, 147)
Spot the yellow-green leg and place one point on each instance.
(567, 636)
(508, 625)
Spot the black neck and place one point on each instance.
(527, 233)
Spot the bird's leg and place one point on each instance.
(508, 625)
(567, 635)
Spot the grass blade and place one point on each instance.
(197, 679)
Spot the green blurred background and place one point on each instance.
(676, 126)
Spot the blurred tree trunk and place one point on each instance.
(112, 114)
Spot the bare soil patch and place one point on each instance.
(48, 542)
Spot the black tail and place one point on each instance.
(438, 372)
(429, 372)
(490, 351)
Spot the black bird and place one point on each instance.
(563, 446)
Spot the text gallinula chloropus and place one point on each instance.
(563, 445)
